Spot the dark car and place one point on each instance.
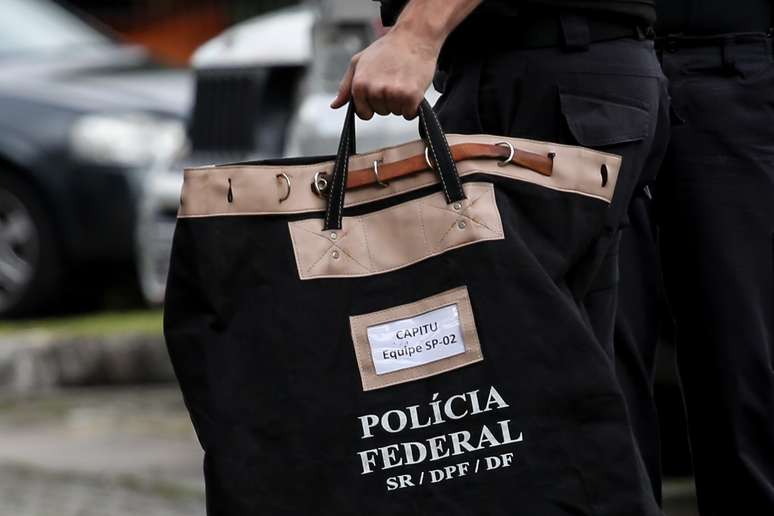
(82, 119)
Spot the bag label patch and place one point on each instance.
(415, 341)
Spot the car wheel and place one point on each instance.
(29, 264)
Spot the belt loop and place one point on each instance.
(728, 50)
(575, 32)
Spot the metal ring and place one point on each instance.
(319, 184)
(510, 156)
(287, 180)
(427, 158)
(376, 174)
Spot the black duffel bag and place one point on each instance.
(417, 346)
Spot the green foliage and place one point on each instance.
(137, 321)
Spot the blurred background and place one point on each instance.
(102, 104)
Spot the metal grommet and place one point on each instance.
(427, 158)
(319, 184)
(512, 153)
(334, 236)
(376, 174)
(284, 176)
(457, 206)
(461, 224)
(335, 254)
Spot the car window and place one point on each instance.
(42, 26)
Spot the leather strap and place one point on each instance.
(368, 176)
(438, 152)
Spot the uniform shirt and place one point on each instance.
(701, 17)
(489, 24)
(644, 10)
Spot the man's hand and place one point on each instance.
(390, 76)
(393, 73)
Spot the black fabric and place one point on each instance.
(266, 362)
(611, 97)
(715, 201)
(702, 17)
(438, 153)
(268, 372)
(508, 25)
(640, 9)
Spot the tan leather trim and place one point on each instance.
(359, 325)
(460, 152)
(396, 237)
(257, 190)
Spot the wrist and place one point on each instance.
(429, 22)
(428, 33)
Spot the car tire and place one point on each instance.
(30, 267)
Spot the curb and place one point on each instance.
(33, 361)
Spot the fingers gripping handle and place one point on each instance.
(438, 152)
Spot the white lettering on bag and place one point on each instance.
(416, 341)
(438, 411)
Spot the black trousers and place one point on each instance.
(609, 96)
(715, 200)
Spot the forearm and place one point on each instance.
(431, 21)
(393, 73)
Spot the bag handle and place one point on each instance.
(438, 152)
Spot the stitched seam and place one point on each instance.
(345, 170)
(465, 215)
(364, 361)
(472, 219)
(345, 143)
(432, 149)
(476, 221)
(327, 250)
(443, 237)
(191, 211)
(422, 225)
(359, 326)
(472, 202)
(333, 180)
(365, 239)
(451, 160)
(295, 254)
(309, 270)
(354, 259)
(496, 236)
(343, 234)
(421, 200)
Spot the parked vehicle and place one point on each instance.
(82, 119)
(256, 98)
(342, 28)
(246, 86)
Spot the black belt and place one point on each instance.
(574, 31)
(673, 42)
(569, 30)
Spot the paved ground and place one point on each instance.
(121, 452)
(31, 492)
(106, 452)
